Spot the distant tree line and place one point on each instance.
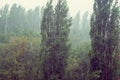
(80, 29)
(16, 20)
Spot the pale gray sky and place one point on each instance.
(74, 5)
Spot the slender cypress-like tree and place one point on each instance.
(104, 35)
(47, 25)
(62, 25)
(54, 31)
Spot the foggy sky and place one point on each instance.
(74, 5)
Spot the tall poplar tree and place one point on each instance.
(46, 45)
(61, 46)
(55, 48)
(104, 35)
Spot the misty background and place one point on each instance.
(31, 11)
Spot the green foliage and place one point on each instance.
(25, 54)
(105, 36)
(78, 63)
(4, 38)
(18, 59)
(47, 42)
(54, 46)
